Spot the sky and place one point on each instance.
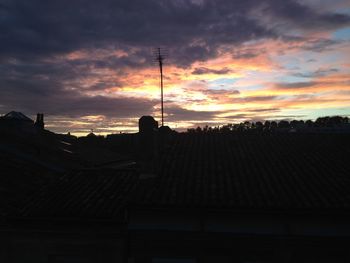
(89, 65)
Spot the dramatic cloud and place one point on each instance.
(73, 59)
(33, 93)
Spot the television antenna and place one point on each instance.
(159, 55)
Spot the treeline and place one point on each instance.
(283, 125)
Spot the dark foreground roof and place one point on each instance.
(259, 172)
(19, 180)
(86, 194)
(230, 172)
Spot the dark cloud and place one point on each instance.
(42, 28)
(38, 95)
(193, 31)
(247, 53)
(203, 70)
(202, 87)
(220, 92)
(311, 60)
(297, 14)
(317, 73)
(255, 98)
(295, 85)
(176, 113)
(320, 44)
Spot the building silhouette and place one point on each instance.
(189, 197)
(19, 122)
(16, 121)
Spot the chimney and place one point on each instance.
(39, 123)
(147, 146)
(164, 138)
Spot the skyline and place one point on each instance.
(89, 66)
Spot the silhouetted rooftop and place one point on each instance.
(231, 172)
(237, 171)
(15, 115)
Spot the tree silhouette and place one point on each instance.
(272, 126)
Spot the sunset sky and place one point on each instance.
(89, 64)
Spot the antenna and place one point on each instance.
(159, 55)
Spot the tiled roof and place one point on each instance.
(211, 171)
(85, 194)
(19, 180)
(256, 171)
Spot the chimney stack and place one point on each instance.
(39, 123)
(147, 146)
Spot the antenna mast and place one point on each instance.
(159, 56)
